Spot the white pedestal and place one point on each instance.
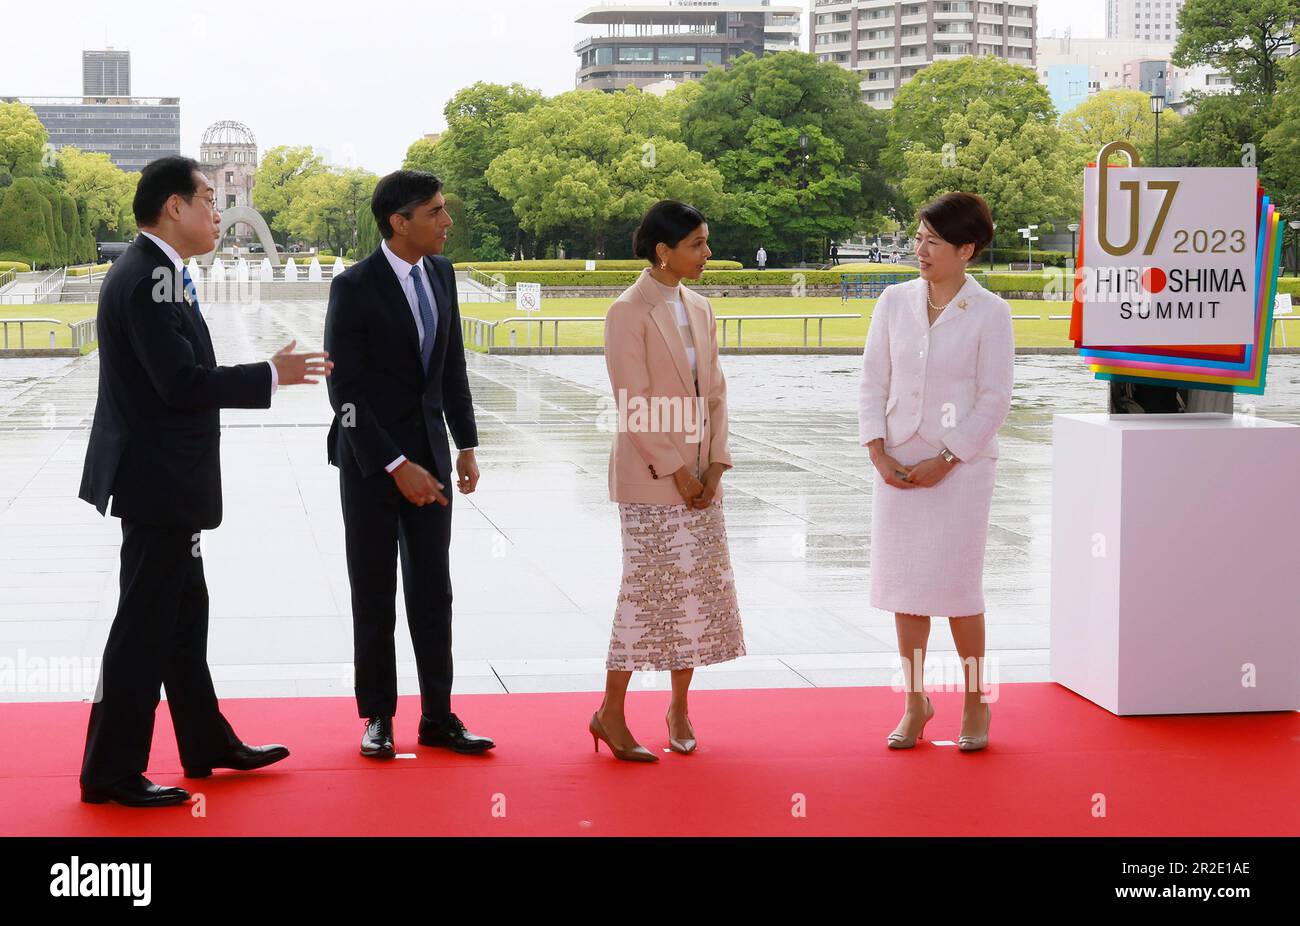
(1175, 566)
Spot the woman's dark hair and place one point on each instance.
(667, 221)
(159, 180)
(400, 192)
(960, 218)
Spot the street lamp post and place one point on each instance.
(1157, 107)
(1295, 245)
(1074, 230)
(991, 246)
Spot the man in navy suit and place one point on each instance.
(154, 451)
(393, 329)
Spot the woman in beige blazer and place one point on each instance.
(677, 603)
(937, 377)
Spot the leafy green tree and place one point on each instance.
(22, 140)
(1281, 167)
(923, 104)
(1245, 39)
(475, 137)
(1115, 115)
(595, 162)
(1022, 171)
(102, 191)
(327, 208)
(280, 177)
(1223, 130)
(750, 120)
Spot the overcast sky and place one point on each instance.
(359, 80)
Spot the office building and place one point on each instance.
(131, 130)
(106, 73)
(654, 43)
(1143, 20)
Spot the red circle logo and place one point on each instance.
(1153, 279)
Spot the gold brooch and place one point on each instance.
(962, 304)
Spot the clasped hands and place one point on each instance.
(923, 475)
(695, 493)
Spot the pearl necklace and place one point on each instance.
(933, 307)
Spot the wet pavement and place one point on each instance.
(535, 551)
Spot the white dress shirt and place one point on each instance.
(404, 271)
(175, 258)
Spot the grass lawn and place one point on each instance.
(39, 335)
(758, 333)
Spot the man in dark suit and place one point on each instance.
(154, 452)
(393, 329)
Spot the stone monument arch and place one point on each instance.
(252, 218)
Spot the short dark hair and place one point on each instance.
(160, 180)
(667, 221)
(960, 218)
(400, 192)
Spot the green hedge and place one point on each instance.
(552, 265)
(710, 278)
(1290, 286)
(15, 265)
(40, 226)
(82, 271)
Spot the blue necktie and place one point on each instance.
(427, 318)
(190, 289)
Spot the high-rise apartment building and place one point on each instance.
(888, 42)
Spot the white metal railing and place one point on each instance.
(84, 332)
(496, 288)
(51, 284)
(481, 333)
(22, 334)
(7, 277)
(741, 319)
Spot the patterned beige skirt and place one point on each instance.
(677, 604)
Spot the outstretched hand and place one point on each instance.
(293, 369)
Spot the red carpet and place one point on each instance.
(1053, 757)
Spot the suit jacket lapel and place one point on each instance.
(667, 324)
(442, 301)
(698, 318)
(921, 308)
(391, 294)
(197, 326)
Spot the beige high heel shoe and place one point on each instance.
(637, 753)
(976, 743)
(902, 740)
(686, 746)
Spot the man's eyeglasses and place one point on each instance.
(210, 201)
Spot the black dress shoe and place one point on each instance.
(451, 734)
(377, 743)
(137, 792)
(243, 758)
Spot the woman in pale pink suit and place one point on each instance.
(937, 375)
(677, 603)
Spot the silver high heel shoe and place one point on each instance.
(976, 743)
(686, 746)
(902, 740)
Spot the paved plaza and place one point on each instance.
(535, 553)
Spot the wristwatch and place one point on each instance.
(949, 456)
